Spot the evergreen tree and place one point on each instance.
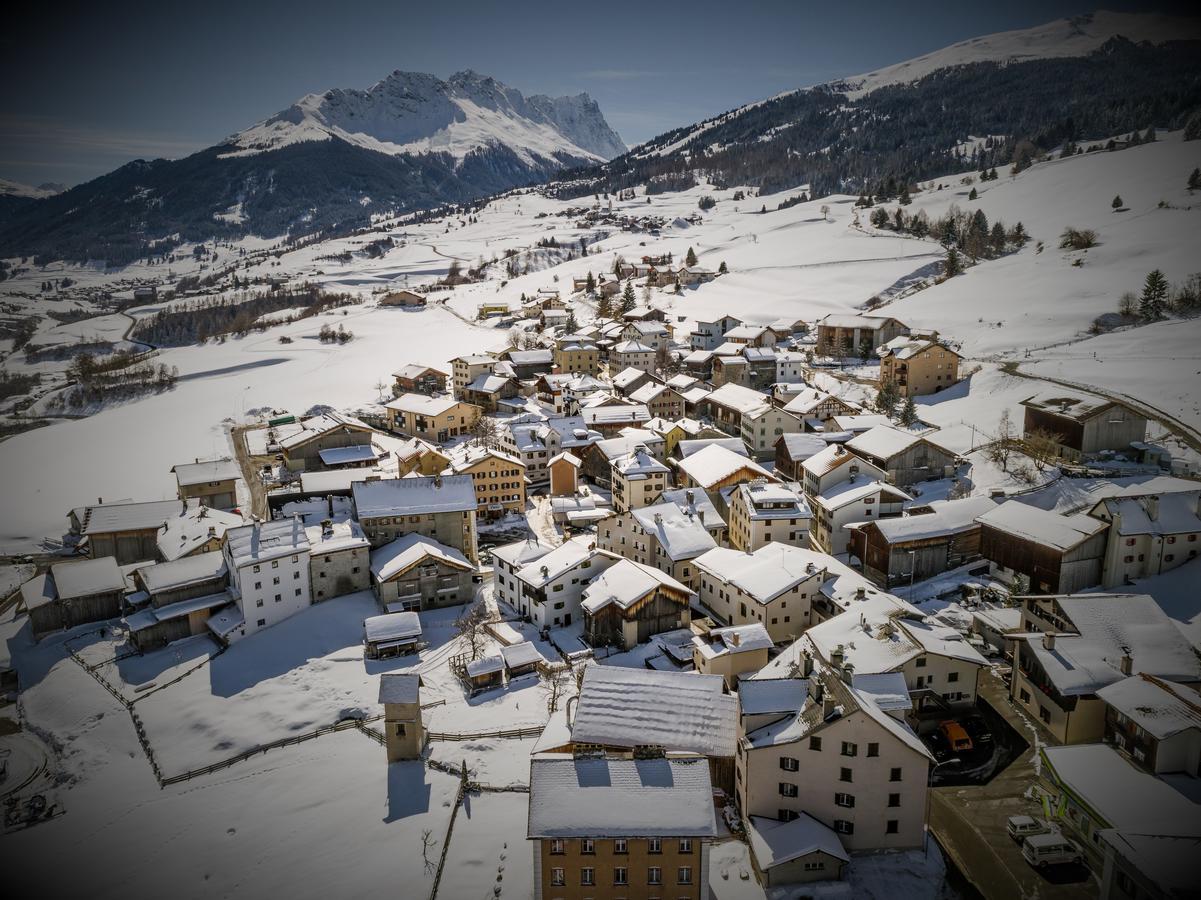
(973, 195)
(992, 174)
(690, 258)
(571, 325)
(887, 398)
(904, 199)
(1117, 202)
(722, 270)
(1153, 304)
(953, 265)
(590, 284)
(996, 239)
(627, 298)
(1194, 180)
(604, 307)
(909, 412)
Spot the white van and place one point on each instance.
(1020, 827)
(1051, 849)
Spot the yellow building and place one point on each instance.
(499, 479)
(918, 365)
(435, 419)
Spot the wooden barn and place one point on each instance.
(630, 603)
(1058, 554)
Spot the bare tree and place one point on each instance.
(1002, 447)
(470, 626)
(1042, 445)
(383, 389)
(485, 432)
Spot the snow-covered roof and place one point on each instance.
(1068, 404)
(733, 444)
(885, 441)
(767, 501)
(323, 424)
(906, 347)
(422, 404)
(106, 518)
(188, 570)
(340, 536)
(696, 502)
(648, 392)
(569, 554)
(887, 690)
(486, 665)
(774, 842)
(400, 687)
(334, 480)
(408, 550)
(190, 474)
(715, 463)
(848, 492)
(1041, 526)
(625, 583)
(570, 458)
(681, 382)
(680, 533)
(1161, 708)
(1110, 626)
(839, 320)
(85, 577)
(738, 398)
(638, 464)
(414, 496)
(600, 798)
(522, 653)
(607, 415)
(628, 376)
(941, 640)
(868, 636)
(262, 541)
(1166, 514)
(946, 517)
(397, 626)
(519, 553)
(186, 530)
(733, 639)
(531, 357)
(860, 422)
(152, 615)
(801, 446)
(829, 459)
(767, 696)
(416, 370)
(488, 383)
(768, 572)
(1123, 795)
(341, 456)
(631, 707)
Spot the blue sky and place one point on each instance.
(85, 90)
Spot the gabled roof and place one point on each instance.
(400, 687)
(1040, 526)
(736, 397)
(186, 530)
(680, 534)
(86, 577)
(416, 370)
(188, 570)
(409, 550)
(768, 572)
(422, 404)
(320, 425)
(624, 584)
(715, 463)
(190, 474)
(394, 627)
(106, 518)
(1161, 708)
(884, 442)
(775, 843)
(414, 496)
(262, 541)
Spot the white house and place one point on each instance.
(268, 564)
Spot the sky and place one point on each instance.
(86, 89)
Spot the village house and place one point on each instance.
(906, 456)
(714, 467)
(834, 466)
(403, 298)
(1080, 425)
(623, 711)
(499, 479)
(192, 530)
(708, 335)
(176, 599)
(528, 364)
(652, 333)
(1148, 533)
(840, 759)
(794, 851)
(415, 572)
(466, 369)
(923, 543)
(794, 449)
(855, 500)
(917, 366)
(128, 532)
(761, 512)
(697, 505)
(597, 458)
(268, 565)
(1055, 554)
(564, 472)
(761, 367)
(632, 355)
(404, 731)
(418, 379)
(729, 652)
(693, 275)
(213, 482)
(662, 401)
(614, 415)
(547, 586)
(729, 403)
(762, 426)
(73, 593)
(628, 380)
(441, 507)
(488, 391)
(699, 364)
(751, 336)
(1072, 647)
(576, 353)
(1154, 723)
(435, 419)
(638, 479)
(629, 603)
(855, 335)
(339, 559)
(664, 535)
(730, 369)
(302, 449)
(774, 586)
(524, 438)
(422, 457)
(599, 825)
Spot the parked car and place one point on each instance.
(956, 736)
(1051, 849)
(1022, 827)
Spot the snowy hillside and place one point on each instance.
(411, 112)
(1075, 36)
(13, 189)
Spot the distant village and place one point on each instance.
(816, 642)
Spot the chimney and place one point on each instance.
(817, 688)
(837, 656)
(848, 673)
(735, 638)
(689, 496)
(861, 593)
(1151, 505)
(1127, 662)
(827, 704)
(1049, 640)
(212, 531)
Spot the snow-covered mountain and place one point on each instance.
(31, 192)
(411, 112)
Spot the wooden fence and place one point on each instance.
(531, 731)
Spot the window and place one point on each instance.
(787, 815)
(891, 826)
(873, 749)
(621, 846)
(275, 580)
(814, 866)
(815, 743)
(921, 662)
(621, 876)
(952, 677)
(654, 845)
(684, 875)
(587, 845)
(842, 826)
(258, 602)
(844, 774)
(262, 623)
(790, 764)
(556, 878)
(787, 789)
(894, 775)
(258, 585)
(401, 732)
(587, 876)
(894, 800)
(845, 800)
(298, 592)
(850, 749)
(654, 875)
(685, 845)
(275, 563)
(278, 597)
